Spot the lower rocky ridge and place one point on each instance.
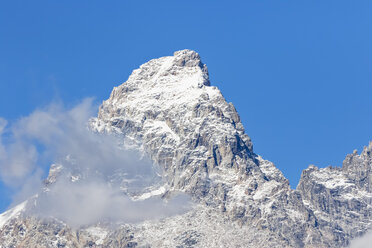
(340, 198)
(201, 227)
(328, 209)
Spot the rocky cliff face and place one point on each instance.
(168, 110)
(340, 198)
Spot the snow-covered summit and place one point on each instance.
(169, 106)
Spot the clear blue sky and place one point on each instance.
(298, 72)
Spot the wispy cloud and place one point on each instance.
(105, 173)
(362, 242)
(17, 159)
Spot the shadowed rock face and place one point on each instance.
(169, 110)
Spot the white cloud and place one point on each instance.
(362, 242)
(107, 172)
(17, 159)
(80, 204)
(3, 124)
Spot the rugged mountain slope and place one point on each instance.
(340, 198)
(168, 110)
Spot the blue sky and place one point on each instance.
(298, 72)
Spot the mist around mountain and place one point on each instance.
(85, 163)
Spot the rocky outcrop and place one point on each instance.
(357, 168)
(340, 198)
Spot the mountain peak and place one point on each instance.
(168, 102)
(169, 71)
